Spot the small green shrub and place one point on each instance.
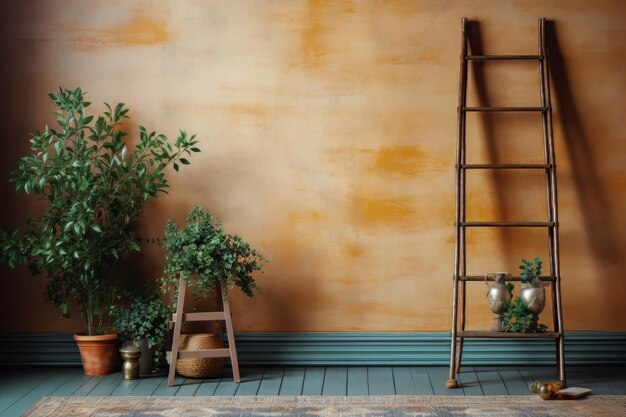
(531, 272)
(517, 320)
(143, 317)
(205, 255)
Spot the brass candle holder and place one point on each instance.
(130, 367)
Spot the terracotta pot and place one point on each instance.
(98, 353)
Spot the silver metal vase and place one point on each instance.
(534, 298)
(498, 297)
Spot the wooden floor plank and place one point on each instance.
(125, 387)
(380, 380)
(250, 382)
(107, 385)
(45, 388)
(293, 381)
(421, 381)
(188, 387)
(147, 386)
(514, 382)
(602, 380)
(469, 381)
(336, 381)
(86, 388)
(403, 381)
(491, 383)
(163, 390)
(544, 373)
(272, 379)
(313, 381)
(526, 375)
(226, 388)
(438, 377)
(207, 388)
(73, 384)
(357, 381)
(18, 391)
(17, 384)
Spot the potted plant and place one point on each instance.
(517, 319)
(205, 256)
(94, 187)
(142, 321)
(532, 291)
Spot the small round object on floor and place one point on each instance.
(535, 387)
(546, 393)
(452, 383)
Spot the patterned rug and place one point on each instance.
(396, 406)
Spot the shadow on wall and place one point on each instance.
(20, 83)
(493, 155)
(598, 220)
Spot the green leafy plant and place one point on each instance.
(143, 317)
(94, 186)
(205, 255)
(531, 272)
(517, 320)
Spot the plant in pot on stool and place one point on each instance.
(521, 315)
(143, 322)
(207, 256)
(93, 188)
(532, 290)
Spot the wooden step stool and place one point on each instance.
(181, 317)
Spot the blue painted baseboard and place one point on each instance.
(328, 349)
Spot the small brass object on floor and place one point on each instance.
(551, 391)
(130, 367)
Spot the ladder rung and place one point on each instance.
(505, 335)
(507, 224)
(505, 57)
(481, 278)
(505, 109)
(204, 316)
(202, 353)
(506, 166)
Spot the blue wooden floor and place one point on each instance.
(20, 388)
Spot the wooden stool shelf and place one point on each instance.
(181, 317)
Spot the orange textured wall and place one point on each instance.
(328, 134)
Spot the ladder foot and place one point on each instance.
(561, 384)
(452, 383)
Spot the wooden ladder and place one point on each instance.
(181, 317)
(461, 224)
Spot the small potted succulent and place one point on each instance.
(93, 186)
(142, 321)
(532, 290)
(206, 256)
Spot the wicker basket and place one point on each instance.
(200, 367)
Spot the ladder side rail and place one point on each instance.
(229, 332)
(549, 161)
(548, 158)
(182, 287)
(555, 211)
(452, 383)
(463, 230)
